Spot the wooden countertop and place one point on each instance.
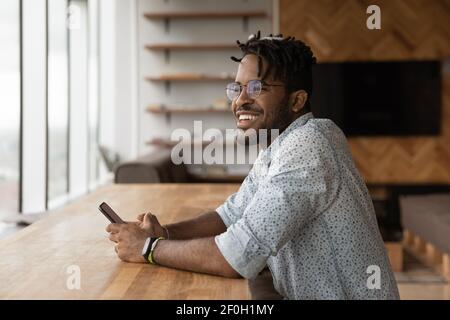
(35, 261)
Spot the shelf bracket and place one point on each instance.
(168, 117)
(167, 25)
(168, 87)
(167, 56)
(245, 23)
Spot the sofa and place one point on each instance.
(156, 167)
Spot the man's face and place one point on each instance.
(269, 110)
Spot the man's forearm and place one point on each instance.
(208, 224)
(197, 255)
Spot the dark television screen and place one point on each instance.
(379, 98)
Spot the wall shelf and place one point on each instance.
(167, 16)
(169, 78)
(168, 109)
(188, 77)
(191, 46)
(168, 47)
(167, 143)
(205, 15)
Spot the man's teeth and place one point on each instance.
(247, 117)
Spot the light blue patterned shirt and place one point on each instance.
(305, 212)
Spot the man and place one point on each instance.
(303, 210)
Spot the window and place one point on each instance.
(93, 93)
(49, 100)
(58, 101)
(9, 106)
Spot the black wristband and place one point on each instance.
(149, 248)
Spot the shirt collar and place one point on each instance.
(297, 123)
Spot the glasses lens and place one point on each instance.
(254, 88)
(233, 90)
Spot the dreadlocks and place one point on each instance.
(288, 60)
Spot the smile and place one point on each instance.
(245, 119)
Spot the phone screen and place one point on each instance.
(109, 213)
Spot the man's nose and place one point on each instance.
(243, 98)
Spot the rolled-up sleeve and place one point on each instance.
(233, 208)
(287, 198)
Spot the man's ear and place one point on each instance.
(299, 99)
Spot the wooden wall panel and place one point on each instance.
(336, 29)
(410, 29)
(416, 160)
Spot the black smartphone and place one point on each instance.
(109, 213)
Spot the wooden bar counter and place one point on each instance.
(40, 261)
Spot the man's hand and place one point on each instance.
(151, 225)
(199, 255)
(130, 239)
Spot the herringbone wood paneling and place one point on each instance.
(410, 29)
(336, 29)
(407, 160)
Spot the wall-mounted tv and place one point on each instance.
(379, 98)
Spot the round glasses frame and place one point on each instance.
(253, 88)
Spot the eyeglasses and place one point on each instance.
(253, 87)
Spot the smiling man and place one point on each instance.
(303, 210)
